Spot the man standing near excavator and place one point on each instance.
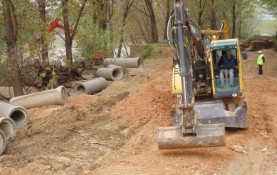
(260, 62)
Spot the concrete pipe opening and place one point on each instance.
(140, 62)
(80, 89)
(117, 74)
(62, 90)
(20, 118)
(8, 127)
(3, 142)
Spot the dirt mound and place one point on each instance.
(154, 101)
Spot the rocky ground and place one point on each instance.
(115, 131)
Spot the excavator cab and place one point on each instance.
(226, 82)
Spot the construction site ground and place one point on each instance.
(115, 131)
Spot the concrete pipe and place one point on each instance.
(7, 125)
(18, 114)
(126, 72)
(3, 142)
(125, 62)
(113, 74)
(91, 86)
(50, 97)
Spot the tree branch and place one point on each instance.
(78, 19)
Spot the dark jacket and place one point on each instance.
(227, 64)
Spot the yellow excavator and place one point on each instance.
(206, 103)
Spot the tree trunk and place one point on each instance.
(10, 37)
(166, 18)
(201, 5)
(213, 18)
(70, 36)
(125, 15)
(233, 19)
(153, 23)
(200, 12)
(44, 45)
(68, 39)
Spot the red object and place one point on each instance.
(55, 24)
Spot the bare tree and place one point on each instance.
(213, 16)
(201, 5)
(168, 7)
(69, 36)
(44, 45)
(11, 25)
(128, 5)
(153, 23)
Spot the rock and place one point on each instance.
(238, 149)
(264, 149)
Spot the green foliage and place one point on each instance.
(149, 51)
(89, 36)
(270, 5)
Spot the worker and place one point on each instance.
(226, 65)
(260, 62)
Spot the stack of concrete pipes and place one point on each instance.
(11, 118)
(14, 115)
(116, 68)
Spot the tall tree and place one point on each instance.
(44, 45)
(128, 4)
(11, 26)
(69, 36)
(168, 7)
(153, 23)
(201, 6)
(213, 15)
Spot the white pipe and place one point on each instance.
(3, 142)
(18, 114)
(50, 97)
(113, 74)
(126, 72)
(125, 62)
(7, 125)
(91, 87)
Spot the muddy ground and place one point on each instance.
(115, 131)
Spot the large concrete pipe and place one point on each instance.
(18, 114)
(91, 86)
(50, 97)
(126, 72)
(113, 74)
(3, 142)
(7, 125)
(125, 62)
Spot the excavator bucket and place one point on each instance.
(212, 118)
(208, 135)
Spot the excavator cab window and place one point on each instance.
(225, 71)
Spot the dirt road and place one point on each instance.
(115, 131)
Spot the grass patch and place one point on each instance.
(149, 51)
